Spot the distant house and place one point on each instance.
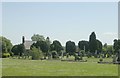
(27, 43)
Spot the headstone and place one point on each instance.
(114, 58)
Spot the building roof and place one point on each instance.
(28, 43)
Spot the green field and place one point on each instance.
(20, 67)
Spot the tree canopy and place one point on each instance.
(70, 47)
(37, 37)
(116, 45)
(92, 43)
(18, 49)
(99, 46)
(83, 45)
(5, 44)
(56, 45)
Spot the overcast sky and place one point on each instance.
(61, 21)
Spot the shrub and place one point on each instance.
(100, 59)
(5, 55)
(36, 54)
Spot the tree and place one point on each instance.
(15, 49)
(5, 44)
(83, 45)
(70, 47)
(99, 46)
(116, 46)
(37, 37)
(36, 53)
(56, 45)
(18, 49)
(43, 46)
(92, 43)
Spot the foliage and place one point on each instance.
(83, 45)
(18, 49)
(5, 44)
(99, 46)
(100, 59)
(5, 55)
(43, 46)
(70, 47)
(116, 45)
(56, 45)
(92, 43)
(36, 53)
(37, 37)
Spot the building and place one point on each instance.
(27, 43)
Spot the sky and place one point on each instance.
(60, 21)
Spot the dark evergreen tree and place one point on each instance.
(18, 49)
(99, 46)
(92, 43)
(56, 45)
(70, 47)
(83, 45)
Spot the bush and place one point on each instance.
(5, 55)
(89, 55)
(36, 54)
(100, 59)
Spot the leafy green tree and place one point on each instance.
(15, 49)
(56, 45)
(5, 44)
(70, 47)
(37, 37)
(36, 53)
(116, 46)
(43, 46)
(83, 45)
(92, 43)
(18, 49)
(109, 50)
(99, 46)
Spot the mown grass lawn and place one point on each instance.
(20, 67)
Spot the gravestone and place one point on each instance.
(114, 58)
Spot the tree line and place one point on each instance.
(45, 48)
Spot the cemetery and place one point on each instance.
(42, 58)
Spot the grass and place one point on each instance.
(20, 67)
